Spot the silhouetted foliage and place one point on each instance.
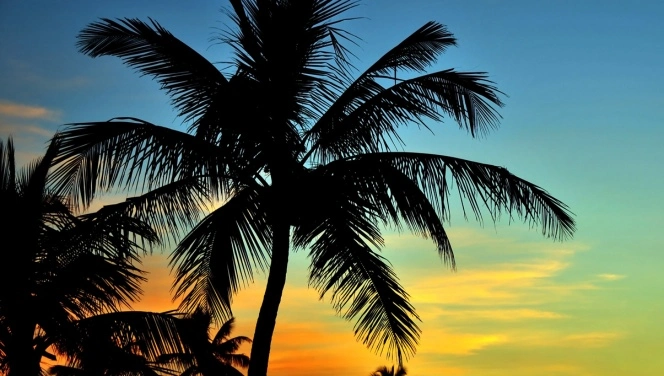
(384, 371)
(120, 343)
(301, 151)
(207, 356)
(57, 268)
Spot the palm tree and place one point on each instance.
(125, 343)
(56, 267)
(384, 371)
(302, 154)
(205, 356)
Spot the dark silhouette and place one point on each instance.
(119, 343)
(56, 267)
(205, 356)
(147, 343)
(384, 371)
(302, 154)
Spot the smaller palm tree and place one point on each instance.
(384, 371)
(119, 344)
(205, 356)
(56, 267)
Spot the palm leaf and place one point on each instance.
(370, 124)
(36, 175)
(398, 199)
(416, 52)
(154, 333)
(224, 331)
(363, 286)
(111, 234)
(225, 347)
(219, 255)
(190, 79)
(7, 167)
(299, 38)
(171, 208)
(481, 187)
(90, 284)
(133, 153)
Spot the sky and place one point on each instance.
(583, 119)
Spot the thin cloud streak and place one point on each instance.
(23, 111)
(501, 314)
(18, 129)
(610, 277)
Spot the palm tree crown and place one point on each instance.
(207, 356)
(302, 154)
(57, 268)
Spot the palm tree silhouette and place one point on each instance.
(384, 371)
(123, 343)
(302, 154)
(56, 267)
(206, 356)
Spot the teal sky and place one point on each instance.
(584, 118)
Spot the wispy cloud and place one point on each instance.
(13, 128)
(575, 339)
(593, 339)
(446, 342)
(610, 277)
(23, 111)
(501, 314)
(506, 283)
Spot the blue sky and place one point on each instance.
(583, 118)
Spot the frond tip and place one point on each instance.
(482, 188)
(363, 286)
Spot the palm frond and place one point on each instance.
(224, 347)
(133, 153)
(154, 333)
(481, 187)
(190, 79)
(230, 345)
(370, 123)
(233, 360)
(363, 286)
(398, 200)
(90, 284)
(7, 166)
(180, 361)
(417, 52)
(219, 255)
(169, 209)
(108, 233)
(224, 330)
(37, 174)
(299, 38)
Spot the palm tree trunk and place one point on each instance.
(267, 317)
(23, 361)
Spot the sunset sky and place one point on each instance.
(584, 118)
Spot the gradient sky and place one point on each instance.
(583, 119)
